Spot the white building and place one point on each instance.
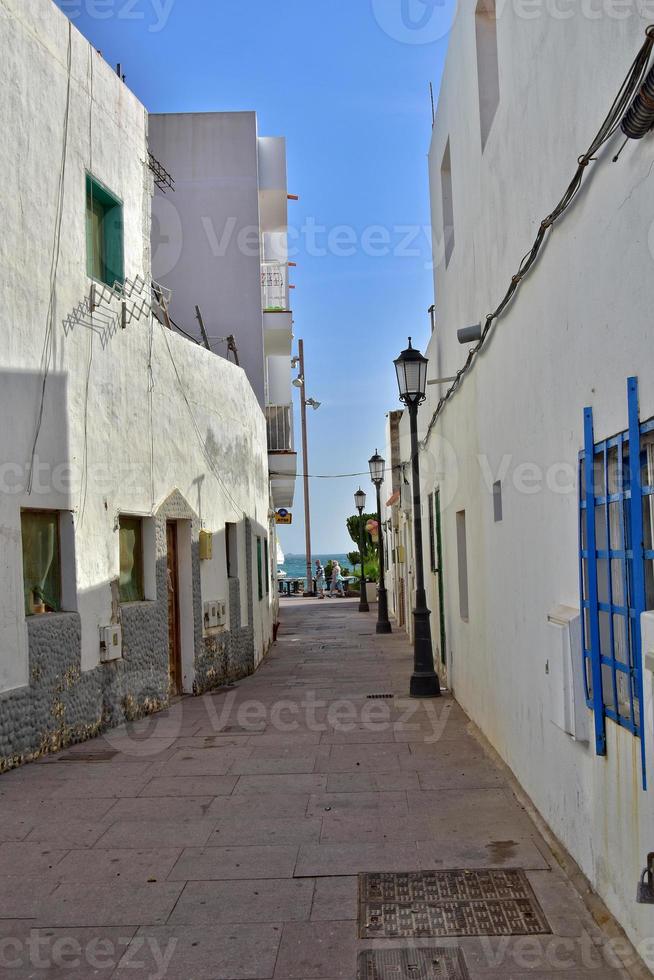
(134, 499)
(220, 243)
(522, 97)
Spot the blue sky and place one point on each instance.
(347, 82)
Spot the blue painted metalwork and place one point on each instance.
(591, 599)
(638, 547)
(612, 573)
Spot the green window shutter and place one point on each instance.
(104, 234)
(259, 568)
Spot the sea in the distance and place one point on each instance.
(295, 566)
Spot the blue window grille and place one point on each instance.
(616, 497)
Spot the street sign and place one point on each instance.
(283, 517)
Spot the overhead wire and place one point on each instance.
(46, 353)
(608, 128)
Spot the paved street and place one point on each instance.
(223, 838)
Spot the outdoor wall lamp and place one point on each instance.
(377, 469)
(360, 504)
(411, 369)
(469, 335)
(645, 894)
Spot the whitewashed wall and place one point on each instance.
(130, 415)
(579, 327)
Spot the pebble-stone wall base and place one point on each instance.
(62, 705)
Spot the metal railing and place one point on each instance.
(279, 419)
(274, 286)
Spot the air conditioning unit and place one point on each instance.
(111, 643)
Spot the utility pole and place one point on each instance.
(305, 464)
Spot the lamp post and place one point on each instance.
(299, 382)
(411, 368)
(377, 466)
(360, 504)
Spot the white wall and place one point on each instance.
(132, 414)
(214, 260)
(578, 328)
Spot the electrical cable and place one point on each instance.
(46, 353)
(609, 127)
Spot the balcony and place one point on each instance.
(282, 458)
(279, 420)
(274, 287)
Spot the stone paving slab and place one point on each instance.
(61, 954)
(224, 863)
(108, 903)
(274, 830)
(237, 952)
(272, 900)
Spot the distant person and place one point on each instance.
(336, 584)
(320, 579)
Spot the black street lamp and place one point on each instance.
(360, 504)
(411, 368)
(377, 467)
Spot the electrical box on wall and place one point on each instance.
(215, 614)
(565, 671)
(206, 546)
(111, 643)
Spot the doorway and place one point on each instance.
(174, 632)
(439, 563)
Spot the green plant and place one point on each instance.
(356, 527)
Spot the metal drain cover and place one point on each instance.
(448, 903)
(412, 964)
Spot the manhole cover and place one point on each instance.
(448, 903)
(412, 964)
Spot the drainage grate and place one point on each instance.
(448, 903)
(412, 964)
(379, 697)
(88, 756)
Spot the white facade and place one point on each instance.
(220, 242)
(579, 326)
(135, 422)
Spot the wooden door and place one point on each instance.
(174, 644)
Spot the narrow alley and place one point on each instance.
(241, 835)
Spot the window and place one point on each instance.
(488, 78)
(41, 561)
(131, 559)
(267, 557)
(104, 234)
(260, 567)
(462, 551)
(497, 502)
(231, 550)
(448, 204)
(616, 555)
(432, 533)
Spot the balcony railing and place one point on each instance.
(279, 419)
(274, 286)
